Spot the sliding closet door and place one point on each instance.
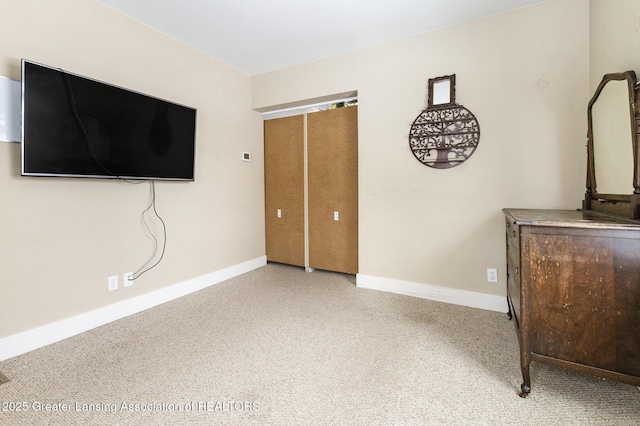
(284, 189)
(332, 167)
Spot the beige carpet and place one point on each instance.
(278, 346)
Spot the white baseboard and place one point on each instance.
(441, 294)
(27, 341)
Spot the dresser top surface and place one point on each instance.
(570, 218)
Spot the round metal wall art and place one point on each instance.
(445, 134)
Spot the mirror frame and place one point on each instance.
(626, 205)
(452, 91)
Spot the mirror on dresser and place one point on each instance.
(573, 276)
(613, 184)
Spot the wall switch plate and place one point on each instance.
(246, 156)
(279, 213)
(113, 283)
(336, 216)
(127, 279)
(492, 275)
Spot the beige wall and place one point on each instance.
(524, 74)
(61, 238)
(615, 38)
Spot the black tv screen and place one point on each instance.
(74, 126)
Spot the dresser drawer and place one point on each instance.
(513, 282)
(513, 235)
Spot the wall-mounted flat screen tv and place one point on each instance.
(74, 126)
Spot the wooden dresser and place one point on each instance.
(573, 289)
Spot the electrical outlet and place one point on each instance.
(113, 283)
(127, 279)
(492, 275)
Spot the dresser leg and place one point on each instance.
(525, 387)
(524, 390)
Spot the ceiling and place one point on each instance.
(257, 36)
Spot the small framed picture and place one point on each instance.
(442, 91)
